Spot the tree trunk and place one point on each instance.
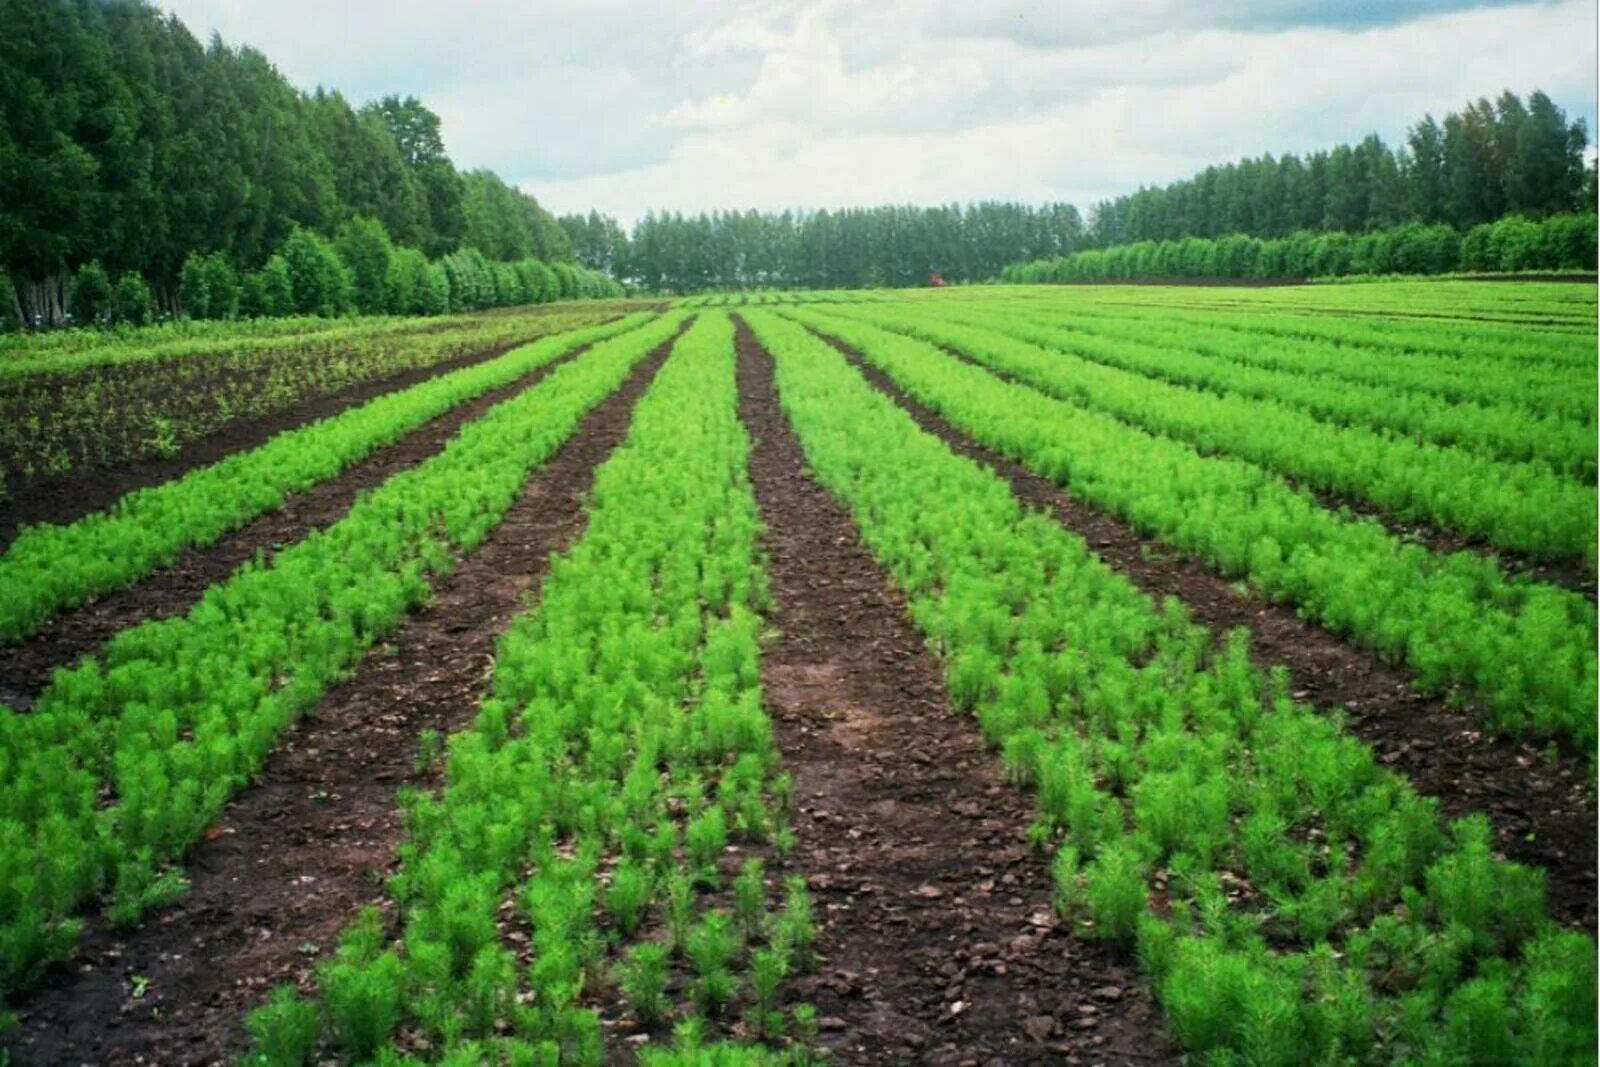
(42, 303)
(16, 307)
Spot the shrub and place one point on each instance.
(319, 282)
(131, 300)
(366, 251)
(283, 1031)
(89, 299)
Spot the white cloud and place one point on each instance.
(788, 103)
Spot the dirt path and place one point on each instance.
(294, 858)
(937, 939)
(26, 668)
(1542, 809)
(83, 492)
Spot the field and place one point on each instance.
(988, 674)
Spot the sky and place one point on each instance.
(773, 104)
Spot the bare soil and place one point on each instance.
(1542, 808)
(937, 937)
(294, 857)
(172, 590)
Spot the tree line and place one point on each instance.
(1481, 164)
(851, 248)
(1513, 244)
(1484, 162)
(126, 143)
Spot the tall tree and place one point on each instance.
(416, 130)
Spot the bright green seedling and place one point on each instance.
(711, 948)
(644, 982)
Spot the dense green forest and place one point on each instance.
(125, 142)
(1513, 244)
(1489, 161)
(1479, 164)
(855, 247)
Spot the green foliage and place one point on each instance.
(1331, 368)
(1115, 891)
(622, 726)
(768, 968)
(283, 1031)
(144, 147)
(632, 887)
(1533, 666)
(363, 1001)
(107, 729)
(705, 838)
(365, 249)
(710, 949)
(90, 296)
(795, 930)
(9, 320)
(680, 910)
(268, 292)
(1511, 244)
(131, 303)
(644, 982)
(208, 288)
(749, 898)
(319, 281)
(51, 568)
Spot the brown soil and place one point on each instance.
(91, 489)
(1542, 809)
(937, 938)
(294, 857)
(172, 590)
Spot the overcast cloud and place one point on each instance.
(703, 104)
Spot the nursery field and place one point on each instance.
(1040, 674)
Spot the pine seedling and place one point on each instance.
(768, 968)
(1116, 891)
(430, 746)
(712, 945)
(749, 897)
(644, 982)
(795, 930)
(283, 1031)
(705, 839)
(363, 1001)
(629, 896)
(680, 910)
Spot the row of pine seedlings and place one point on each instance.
(48, 569)
(595, 855)
(128, 756)
(1525, 650)
(1290, 900)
